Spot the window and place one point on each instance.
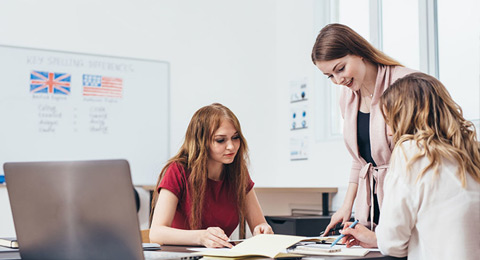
(459, 53)
(439, 37)
(356, 15)
(400, 32)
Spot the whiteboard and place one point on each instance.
(57, 106)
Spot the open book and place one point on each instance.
(275, 246)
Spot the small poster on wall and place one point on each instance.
(299, 119)
(299, 148)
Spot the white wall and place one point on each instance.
(240, 53)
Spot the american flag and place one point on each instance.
(50, 82)
(96, 85)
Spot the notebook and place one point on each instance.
(74, 210)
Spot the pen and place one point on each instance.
(342, 235)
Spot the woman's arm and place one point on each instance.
(254, 215)
(161, 231)
(343, 214)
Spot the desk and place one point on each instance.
(370, 256)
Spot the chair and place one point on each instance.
(145, 235)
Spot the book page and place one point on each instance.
(260, 245)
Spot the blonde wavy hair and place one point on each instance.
(418, 107)
(337, 41)
(194, 154)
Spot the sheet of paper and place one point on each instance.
(202, 249)
(7, 249)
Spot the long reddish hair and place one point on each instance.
(337, 41)
(193, 157)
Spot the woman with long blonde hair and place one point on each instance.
(432, 190)
(205, 189)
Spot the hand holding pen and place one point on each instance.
(359, 235)
(342, 235)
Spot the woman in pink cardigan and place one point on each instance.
(348, 59)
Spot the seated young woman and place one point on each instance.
(205, 189)
(431, 208)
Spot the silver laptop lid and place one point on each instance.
(74, 210)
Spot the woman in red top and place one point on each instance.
(205, 189)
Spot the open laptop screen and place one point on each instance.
(74, 210)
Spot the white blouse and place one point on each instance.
(433, 218)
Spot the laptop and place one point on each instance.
(74, 210)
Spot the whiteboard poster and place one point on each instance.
(71, 106)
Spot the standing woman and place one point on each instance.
(348, 59)
(205, 189)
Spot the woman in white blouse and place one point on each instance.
(431, 208)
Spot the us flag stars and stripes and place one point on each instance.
(101, 86)
(50, 82)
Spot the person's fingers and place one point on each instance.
(262, 229)
(217, 235)
(346, 224)
(257, 231)
(352, 242)
(268, 230)
(218, 242)
(218, 232)
(214, 244)
(228, 245)
(330, 226)
(348, 244)
(348, 231)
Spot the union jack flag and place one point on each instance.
(96, 85)
(50, 82)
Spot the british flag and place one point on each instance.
(101, 86)
(50, 82)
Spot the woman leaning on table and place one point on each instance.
(348, 59)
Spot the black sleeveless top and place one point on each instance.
(364, 148)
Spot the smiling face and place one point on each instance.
(349, 71)
(225, 144)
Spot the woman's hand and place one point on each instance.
(359, 235)
(214, 237)
(341, 216)
(262, 228)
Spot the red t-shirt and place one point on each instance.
(220, 203)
